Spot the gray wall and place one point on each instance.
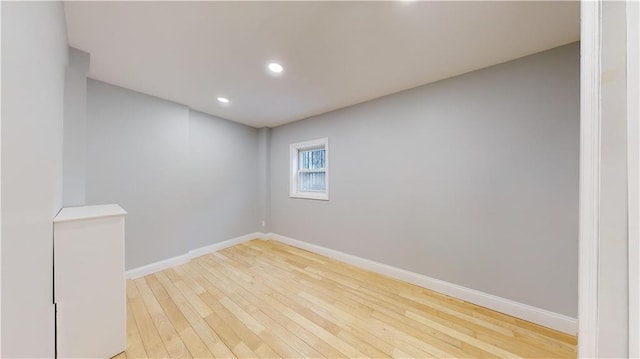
(34, 57)
(264, 184)
(224, 177)
(186, 179)
(472, 180)
(75, 129)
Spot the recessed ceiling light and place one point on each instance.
(275, 67)
(223, 100)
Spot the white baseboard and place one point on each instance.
(519, 310)
(224, 244)
(156, 266)
(539, 316)
(184, 258)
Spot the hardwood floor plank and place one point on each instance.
(174, 313)
(371, 324)
(243, 316)
(389, 283)
(150, 338)
(200, 326)
(549, 352)
(135, 348)
(196, 346)
(523, 347)
(229, 337)
(264, 299)
(423, 343)
(172, 341)
(297, 336)
(187, 276)
(193, 298)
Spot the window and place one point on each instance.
(309, 169)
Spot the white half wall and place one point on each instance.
(34, 57)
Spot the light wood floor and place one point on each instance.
(267, 299)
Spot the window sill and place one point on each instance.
(319, 196)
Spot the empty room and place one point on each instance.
(320, 179)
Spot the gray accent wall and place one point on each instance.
(264, 185)
(74, 162)
(186, 179)
(224, 178)
(34, 58)
(472, 180)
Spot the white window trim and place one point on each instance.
(293, 169)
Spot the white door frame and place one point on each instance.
(590, 128)
(590, 131)
(633, 123)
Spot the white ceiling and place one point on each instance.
(335, 54)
